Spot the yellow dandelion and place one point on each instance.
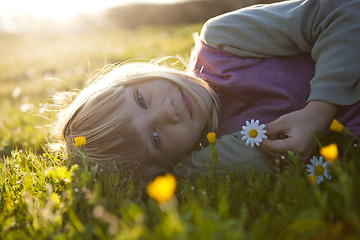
(336, 126)
(330, 152)
(162, 188)
(211, 136)
(79, 141)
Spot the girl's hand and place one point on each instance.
(295, 131)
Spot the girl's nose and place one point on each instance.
(167, 111)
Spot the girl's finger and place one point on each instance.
(275, 128)
(278, 146)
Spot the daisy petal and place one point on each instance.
(311, 168)
(320, 178)
(327, 175)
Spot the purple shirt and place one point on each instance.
(261, 88)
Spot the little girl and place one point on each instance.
(293, 65)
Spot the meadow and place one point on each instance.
(43, 195)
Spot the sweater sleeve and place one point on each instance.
(233, 155)
(328, 29)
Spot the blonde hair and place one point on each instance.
(113, 144)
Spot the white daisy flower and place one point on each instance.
(253, 133)
(318, 168)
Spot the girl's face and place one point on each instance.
(168, 118)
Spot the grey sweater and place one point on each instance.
(328, 29)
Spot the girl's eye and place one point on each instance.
(156, 139)
(140, 100)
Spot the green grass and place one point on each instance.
(44, 196)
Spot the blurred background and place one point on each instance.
(74, 15)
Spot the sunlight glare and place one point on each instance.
(62, 9)
(38, 15)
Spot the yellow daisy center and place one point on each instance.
(319, 170)
(253, 133)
